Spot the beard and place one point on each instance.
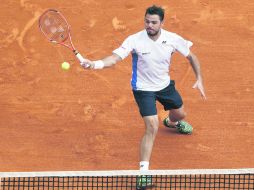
(152, 32)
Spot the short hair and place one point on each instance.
(155, 10)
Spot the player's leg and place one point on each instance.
(175, 120)
(171, 100)
(147, 107)
(176, 115)
(146, 102)
(146, 146)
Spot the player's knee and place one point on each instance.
(152, 126)
(177, 116)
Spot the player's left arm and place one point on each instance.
(196, 68)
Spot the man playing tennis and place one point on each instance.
(151, 51)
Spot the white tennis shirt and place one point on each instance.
(151, 59)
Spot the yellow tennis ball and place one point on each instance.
(65, 66)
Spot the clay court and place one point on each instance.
(55, 120)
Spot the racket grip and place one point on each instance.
(81, 59)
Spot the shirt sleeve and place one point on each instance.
(183, 46)
(126, 47)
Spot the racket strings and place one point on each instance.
(54, 26)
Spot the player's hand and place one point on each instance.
(199, 85)
(87, 64)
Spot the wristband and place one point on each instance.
(98, 64)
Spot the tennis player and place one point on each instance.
(151, 50)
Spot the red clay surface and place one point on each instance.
(51, 119)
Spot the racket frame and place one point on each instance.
(63, 43)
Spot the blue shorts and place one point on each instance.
(168, 97)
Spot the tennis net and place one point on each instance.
(235, 179)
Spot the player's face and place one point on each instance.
(153, 24)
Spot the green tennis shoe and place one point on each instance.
(144, 182)
(182, 126)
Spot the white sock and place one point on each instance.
(144, 165)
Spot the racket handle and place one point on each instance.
(80, 58)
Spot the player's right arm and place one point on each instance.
(117, 55)
(99, 64)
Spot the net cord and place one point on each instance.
(128, 172)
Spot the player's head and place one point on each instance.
(154, 17)
(155, 10)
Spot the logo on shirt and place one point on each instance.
(164, 42)
(145, 53)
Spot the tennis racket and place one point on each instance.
(56, 29)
